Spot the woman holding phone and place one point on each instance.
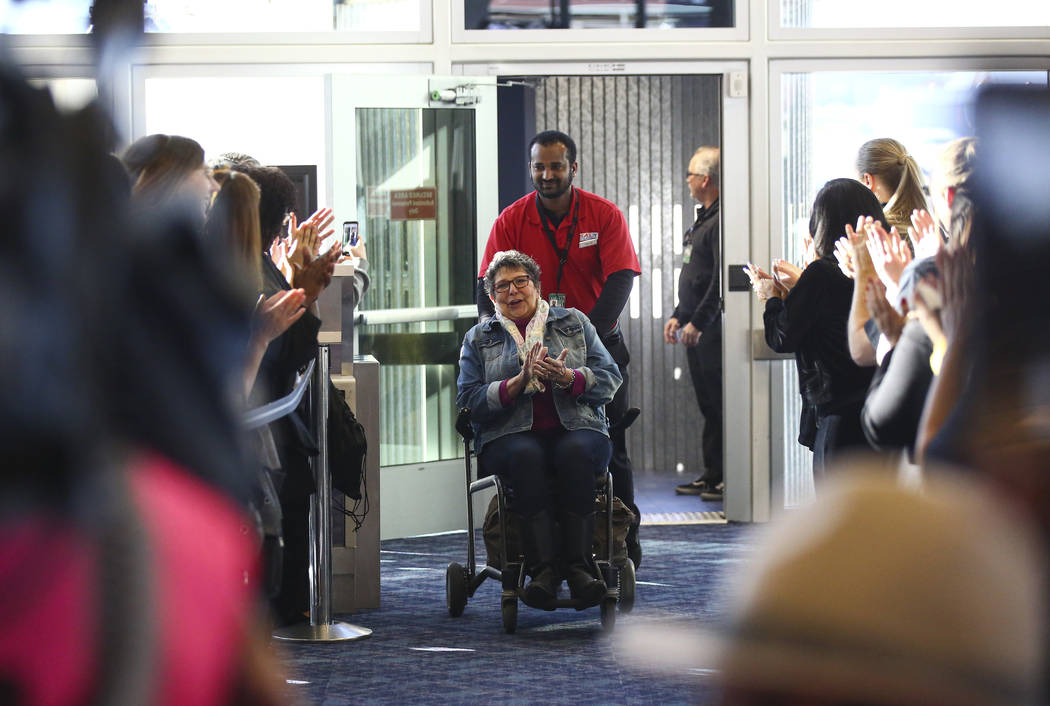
(809, 320)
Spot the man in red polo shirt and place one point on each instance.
(587, 261)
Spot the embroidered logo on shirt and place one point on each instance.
(588, 239)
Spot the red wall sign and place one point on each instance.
(413, 204)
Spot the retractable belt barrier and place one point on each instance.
(321, 627)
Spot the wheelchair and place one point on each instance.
(461, 582)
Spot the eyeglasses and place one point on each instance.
(689, 174)
(518, 282)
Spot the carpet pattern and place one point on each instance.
(418, 654)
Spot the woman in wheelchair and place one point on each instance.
(539, 421)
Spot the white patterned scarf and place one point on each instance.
(534, 331)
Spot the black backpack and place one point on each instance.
(347, 446)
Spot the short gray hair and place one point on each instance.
(707, 159)
(514, 260)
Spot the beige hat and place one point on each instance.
(878, 594)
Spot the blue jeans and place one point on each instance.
(554, 470)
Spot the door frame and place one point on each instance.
(747, 482)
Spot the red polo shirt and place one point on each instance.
(601, 245)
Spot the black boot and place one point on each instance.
(577, 536)
(537, 534)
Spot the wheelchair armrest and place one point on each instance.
(463, 424)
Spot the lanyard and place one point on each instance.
(563, 253)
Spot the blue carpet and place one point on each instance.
(559, 657)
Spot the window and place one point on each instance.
(596, 14)
(846, 14)
(262, 116)
(826, 116)
(228, 16)
(922, 110)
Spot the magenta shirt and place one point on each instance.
(544, 413)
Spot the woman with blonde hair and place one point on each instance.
(893, 175)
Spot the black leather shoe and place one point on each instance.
(697, 487)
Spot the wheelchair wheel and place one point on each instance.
(455, 589)
(509, 611)
(627, 583)
(608, 614)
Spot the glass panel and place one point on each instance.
(249, 114)
(596, 14)
(416, 191)
(923, 110)
(44, 16)
(908, 13)
(72, 16)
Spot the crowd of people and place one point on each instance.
(915, 361)
(208, 272)
(156, 298)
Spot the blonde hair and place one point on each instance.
(956, 162)
(888, 160)
(234, 220)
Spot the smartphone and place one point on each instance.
(350, 234)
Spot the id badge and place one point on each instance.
(687, 252)
(556, 299)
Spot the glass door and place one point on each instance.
(413, 162)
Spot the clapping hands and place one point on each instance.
(889, 253)
(764, 284)
(304, 239)
(924, 234)
(553, 370)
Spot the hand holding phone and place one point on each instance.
(350, 234)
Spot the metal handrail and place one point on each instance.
(272, 411)
(376, 317)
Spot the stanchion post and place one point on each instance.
(321, 627)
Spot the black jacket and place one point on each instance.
(811, 323)
(284, 357)
(699, 284)
(898, 392)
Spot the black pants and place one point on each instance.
(620, 465)
(705, 369)
(538, 466)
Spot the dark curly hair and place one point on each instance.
(277, 199)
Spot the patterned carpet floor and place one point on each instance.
(418, 654)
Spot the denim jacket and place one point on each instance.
(489, 356)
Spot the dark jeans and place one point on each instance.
(538, 466)
(836, 433)
(705, 369)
